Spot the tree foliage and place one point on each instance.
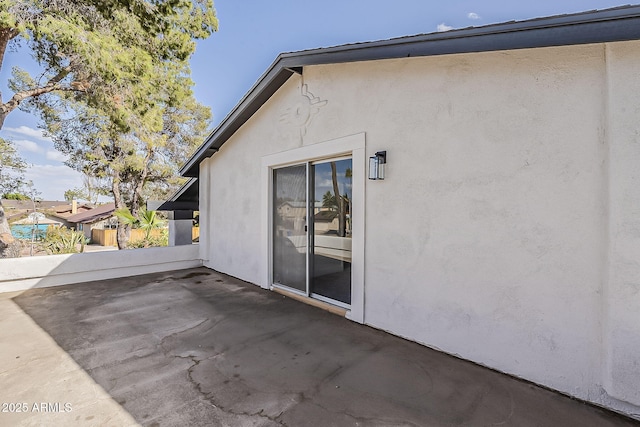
(62, 240)
(134, 160)
(15, 196)
(114, 91)
(147, 221)
(11, 180)
(75, 194)
(92, 188)
(12, 168)
(99, 49)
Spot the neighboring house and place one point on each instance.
(507, 228)
(66, 210)
(40, 218)
(9, 204)
(47, 212)
(100, 218)
(293, 209)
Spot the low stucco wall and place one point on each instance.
(17, 274)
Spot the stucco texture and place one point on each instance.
(506, 229)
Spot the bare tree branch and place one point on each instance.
(52, 85)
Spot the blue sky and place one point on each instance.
(253, 32)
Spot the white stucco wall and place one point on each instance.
(506, 230)
(621, 302)
(232, 178)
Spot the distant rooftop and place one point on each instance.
(101, 212)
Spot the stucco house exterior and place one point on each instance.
(22, 217)
(506, 230)
(100, 218)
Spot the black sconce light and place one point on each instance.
(376, 165)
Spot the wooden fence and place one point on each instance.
(108, 237)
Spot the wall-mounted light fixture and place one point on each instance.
(376, 165)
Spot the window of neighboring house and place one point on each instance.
(80, 227)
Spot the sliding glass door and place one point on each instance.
(331, 238)
(312, 229)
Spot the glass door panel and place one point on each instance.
(331, 238)
(290, 227)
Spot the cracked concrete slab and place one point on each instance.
(199, 348)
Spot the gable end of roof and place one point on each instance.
(609, 25)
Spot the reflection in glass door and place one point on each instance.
(331, 239)
(314, 260)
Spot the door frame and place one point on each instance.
(310, 232)
(352, 146)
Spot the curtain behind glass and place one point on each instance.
(289, 221)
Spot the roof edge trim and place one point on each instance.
(602, 26)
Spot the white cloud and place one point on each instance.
(56, 156)
(325, 183)
(27, 145)
(443, 27)
(48, 171)
(473, 15)
(52, 181)
(27, 131)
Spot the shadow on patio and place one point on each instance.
(196, 347)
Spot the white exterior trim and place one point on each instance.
(353, 145)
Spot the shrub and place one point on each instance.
(151, 241)
(61, 240)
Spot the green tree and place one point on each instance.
(145, 220)
(12, 168)
(131, 161)
(11, 180)
(15, 196)
(118, 67)
(75, 193)
(82, 47)
(92, 188)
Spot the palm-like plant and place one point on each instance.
(61, 240)
(126, 217)
(146, 220)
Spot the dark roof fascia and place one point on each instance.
(185, 198)
(266, 86)
(178, 206)
(188, 192)
(610, 25)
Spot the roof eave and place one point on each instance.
(185, 198)
(261, 91)
(610, 25)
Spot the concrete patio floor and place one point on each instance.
(198, 348)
